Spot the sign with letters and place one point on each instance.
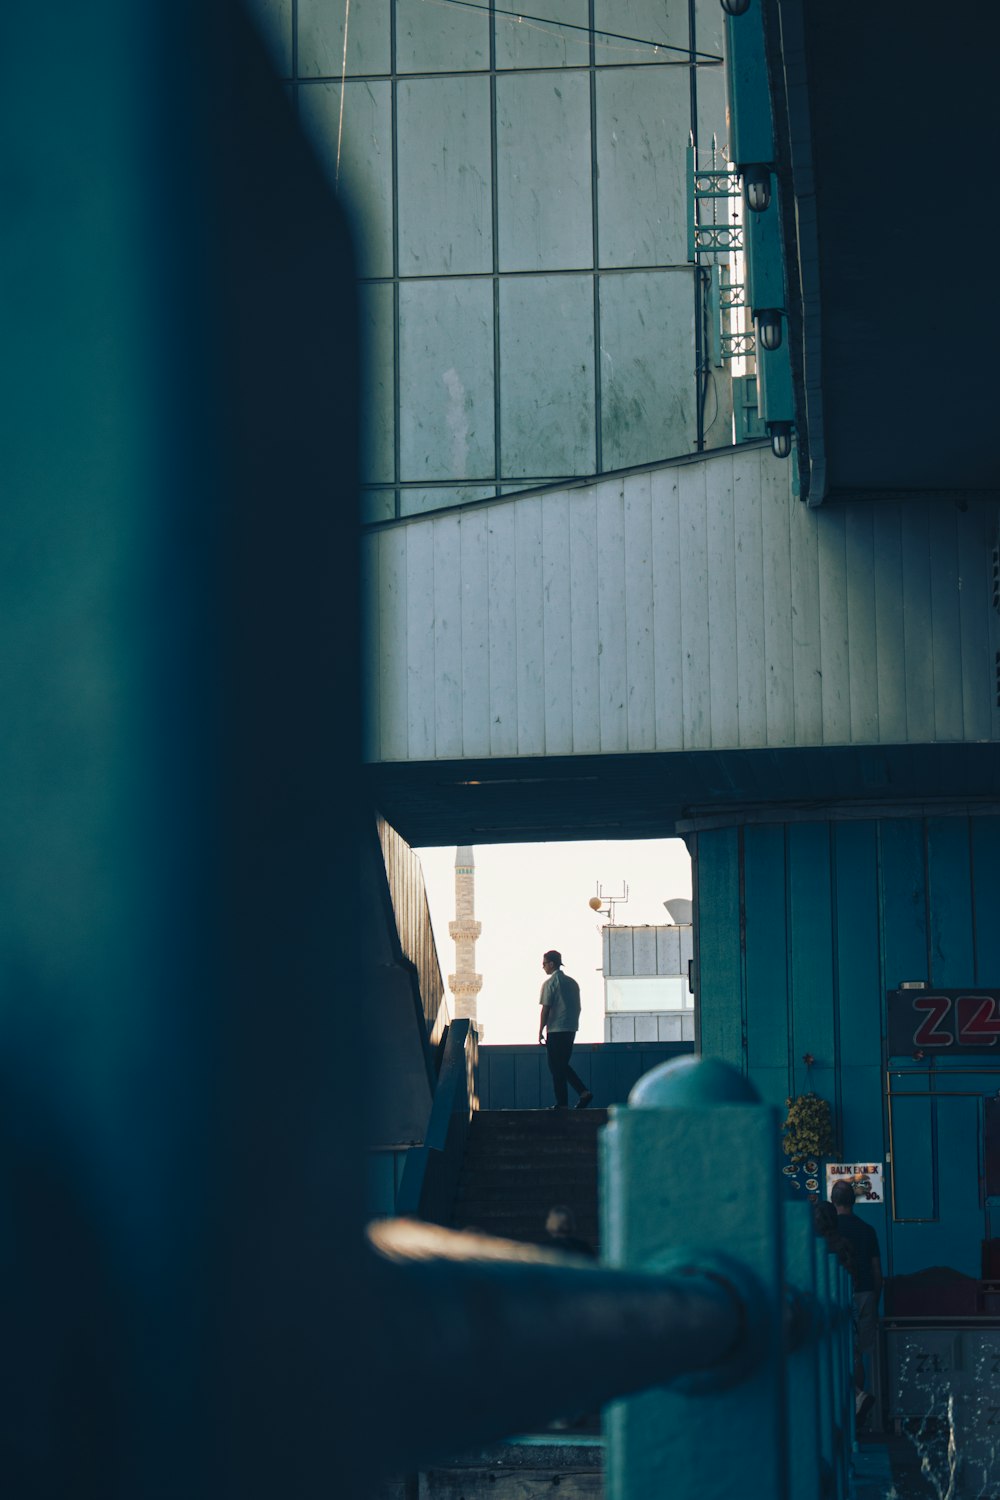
(865, 1177)
(944, 1023)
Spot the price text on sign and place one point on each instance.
(952, 1022)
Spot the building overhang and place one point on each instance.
(883, 129)
(553, 799)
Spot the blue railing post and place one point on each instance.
(690, 1178)
(825, 1361)
(805, 1455)
(845, 1351)
(836, 1369)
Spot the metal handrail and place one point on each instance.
(454, 1302)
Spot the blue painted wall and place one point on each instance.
(802, 928)
(517, 1077)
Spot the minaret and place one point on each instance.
(465, 983)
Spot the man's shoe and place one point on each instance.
(585, 1098)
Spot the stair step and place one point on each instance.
(540, 1119)
(530, 1468)
(520, 1162)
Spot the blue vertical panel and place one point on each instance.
(767, 1019)
(602, 1076)
(628, 1071)
(957, 1239)
(527, 1089)
(720, 979)
(381, 1194)
(501, 1094)
(950, 892)
(903, 893)
(913, 1165)
(954, 1236)
(810, 950)
(861, 1126)
(986, 898)
(485, 1081)
(856, 943)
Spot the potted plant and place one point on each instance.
(807, 1136)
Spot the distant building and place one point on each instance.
(465, 983)
(647, 997)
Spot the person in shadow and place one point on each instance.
(560, 1021)
(560, 1232)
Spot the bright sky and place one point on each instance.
(530, 897)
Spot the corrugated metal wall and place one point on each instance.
(802, 928)
(697, 606)
(413, 925)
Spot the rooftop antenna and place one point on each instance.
(605, 903)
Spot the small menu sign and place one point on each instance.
(865, 1178)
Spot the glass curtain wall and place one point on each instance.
(520, 189)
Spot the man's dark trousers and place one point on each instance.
(558, 1046)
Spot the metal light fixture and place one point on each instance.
(768, 321)
(735, 7)
(781, 438)
(757, 186)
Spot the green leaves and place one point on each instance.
(808, 1128)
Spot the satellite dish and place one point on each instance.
(594, 903)
(679, 910)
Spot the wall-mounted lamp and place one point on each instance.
(781, 438)
(768, 321)
(757, 186)
(735, 7)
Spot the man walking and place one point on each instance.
(867, 1286)
(560, 1018)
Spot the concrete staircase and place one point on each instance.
(520, 1162)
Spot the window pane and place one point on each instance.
(647, 366)
(378, 437)
(362, 141)
(643, 120)
(649, 21)
(660, 992)
(541, 42)
(544, 171)
(445, 197)
(547, 375)
(321, 37)
(440, 38)
(446, 369)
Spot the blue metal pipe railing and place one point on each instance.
(430, 1176)
(720, 1313)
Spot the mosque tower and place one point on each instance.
(465, 983)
